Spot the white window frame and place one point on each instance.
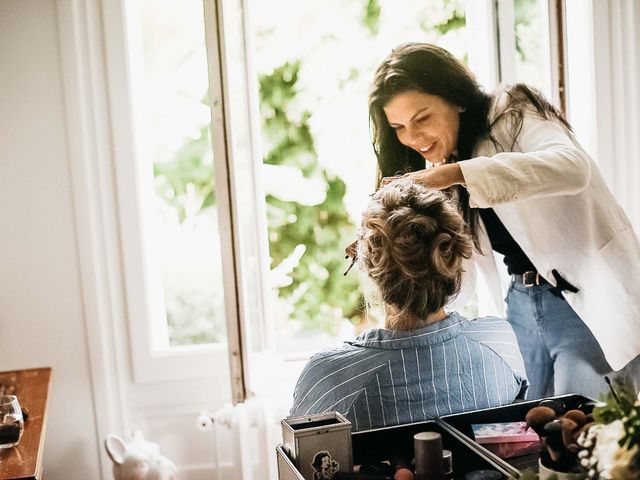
(491, 28)
(482, 41)
(235, 135)
(149, 362)
(506, 35)
(555, 46)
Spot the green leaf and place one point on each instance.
(371, 16)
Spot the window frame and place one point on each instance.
(553, 47)
(491, 28)
(149, 363)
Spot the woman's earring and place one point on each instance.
(462, 109)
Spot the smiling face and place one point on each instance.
(326, 465)
(426, 123)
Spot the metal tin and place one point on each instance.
(319, 445)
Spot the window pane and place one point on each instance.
(530, 60)
(174, 148)
(315, 61)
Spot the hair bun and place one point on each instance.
(412, 246)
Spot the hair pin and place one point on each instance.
(353, 261)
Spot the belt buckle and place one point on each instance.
(529, 279)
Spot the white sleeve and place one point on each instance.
(547, 163)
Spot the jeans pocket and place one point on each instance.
(509, 290)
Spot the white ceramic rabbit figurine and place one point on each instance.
(138, 459)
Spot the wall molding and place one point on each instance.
(98, 120)
(89, 147)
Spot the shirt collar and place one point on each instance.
(432, 334)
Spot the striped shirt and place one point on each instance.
(387, 377)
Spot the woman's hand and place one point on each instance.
(440, 176)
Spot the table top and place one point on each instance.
(32, 387)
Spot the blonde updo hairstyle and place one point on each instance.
(412, 243)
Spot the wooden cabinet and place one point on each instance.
(32, 388)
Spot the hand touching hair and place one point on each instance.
(412, 243)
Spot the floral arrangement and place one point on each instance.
(610, 449)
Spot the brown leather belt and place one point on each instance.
(529, 279)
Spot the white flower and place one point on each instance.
(607, 437)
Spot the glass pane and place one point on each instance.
(174, 148)
(530, 60)
(315, 61)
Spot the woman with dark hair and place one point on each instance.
(425, 362)
(529, 192)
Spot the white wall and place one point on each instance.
(41, 311)
(61, 304)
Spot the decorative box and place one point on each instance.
(319, 445)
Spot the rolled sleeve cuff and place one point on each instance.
(477, 185)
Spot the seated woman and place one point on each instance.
(426, 362)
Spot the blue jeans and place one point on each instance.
(560, 353)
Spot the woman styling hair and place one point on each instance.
(530, 192)
(425, 362)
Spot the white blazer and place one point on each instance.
(552, 199)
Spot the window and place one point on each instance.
(530, 45)
(171, 214)
(260, 202)
(177, 178)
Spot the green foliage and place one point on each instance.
(289, 139)
(188, 176)
(524, 12)
(625, 407)
(186, 184)
(456, 20)
(318, 290)
(192, 317)
(371, 17)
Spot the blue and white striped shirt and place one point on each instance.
(387, 377)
